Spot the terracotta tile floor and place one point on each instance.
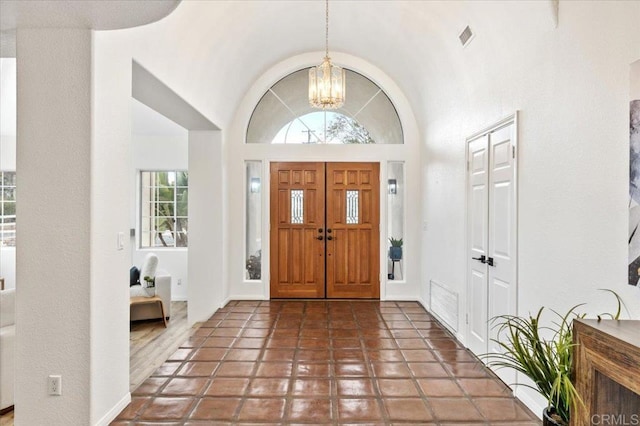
(323, 362)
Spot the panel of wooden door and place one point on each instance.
(353, 223)
(297, 198)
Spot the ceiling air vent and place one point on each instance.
(466, 36)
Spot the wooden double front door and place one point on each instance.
(325, 221)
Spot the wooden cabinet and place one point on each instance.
(607, 372)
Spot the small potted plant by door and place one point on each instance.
(395, 254)
(395, 251)
(254, 265)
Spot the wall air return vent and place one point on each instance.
(466, 36)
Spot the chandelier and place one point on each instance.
(326, 81)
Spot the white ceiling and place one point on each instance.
(147, 122)
(94, 14)
(212, 52)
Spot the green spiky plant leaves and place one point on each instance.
(543, 353)
(395, 242)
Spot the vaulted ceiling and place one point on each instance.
(218, 49)
(211, 52)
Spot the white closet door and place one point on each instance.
(491, 227)
(502, 233)
(477, 227)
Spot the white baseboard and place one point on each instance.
(399, 298)
(526, 399)
(113, 413)
(179, 299)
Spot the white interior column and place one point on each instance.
(53, 246)
(111, 188)
(205, 292)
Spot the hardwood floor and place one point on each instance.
(150, 345)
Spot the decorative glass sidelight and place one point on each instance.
(253, 248)
(297, 206)
(395, 219)
(352, 207)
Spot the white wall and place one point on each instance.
(158, 144)
(8, 266)
(72, 301)
(571, 85)
(206, 209)
(8, 152)
(110, 201)
(54, 252)
(8, 149)
(635, 80)
(7, 113)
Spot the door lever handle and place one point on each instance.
(482, 258)
(329, 238)
(320, 237)
(490, 261)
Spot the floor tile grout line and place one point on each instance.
(332, 362)
(374, 380)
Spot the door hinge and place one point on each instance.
(513, 151)
(468, 165)
(466, 318)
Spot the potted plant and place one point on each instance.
(395, 251)
(547, 361)
(150, 281)
(149, 285)
(254, 266)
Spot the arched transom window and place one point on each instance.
(283, 115)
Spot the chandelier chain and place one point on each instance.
(326, 81)
(326, 41)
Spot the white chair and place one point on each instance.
(143, 298)
(7, 347)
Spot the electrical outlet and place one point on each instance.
(179, 281)
(54, 385)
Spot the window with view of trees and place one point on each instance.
(164, 197)
(283, 115)
(8, 209)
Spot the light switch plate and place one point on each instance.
(120, 244)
